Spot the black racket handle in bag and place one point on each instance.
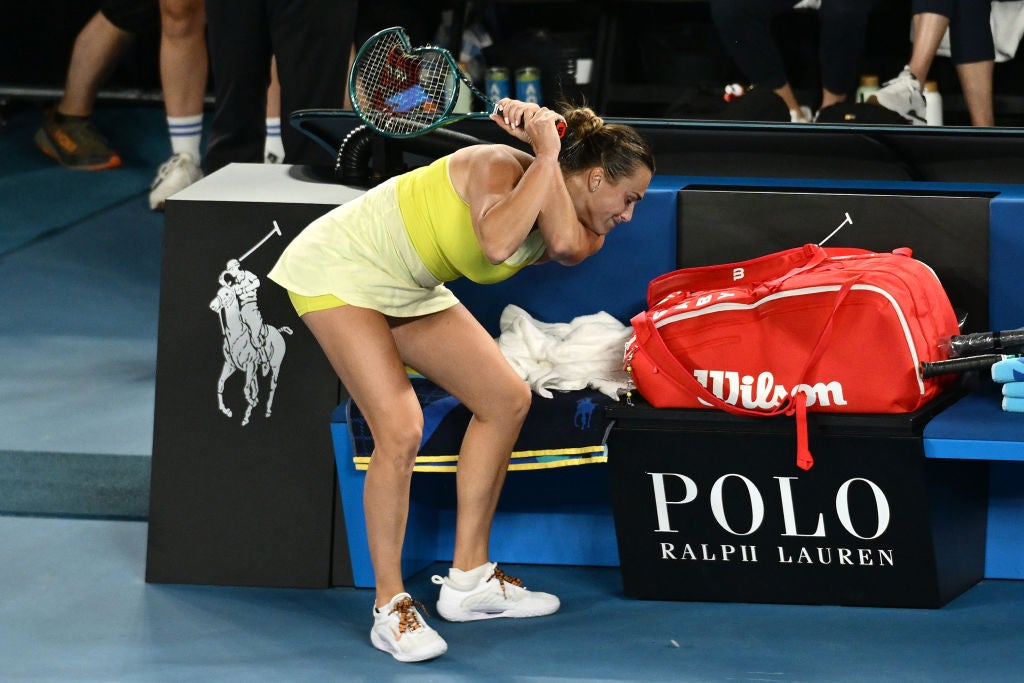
(1006, 341)
(955, 366)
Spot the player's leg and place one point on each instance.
(360, 347)
(454, 351)
(359, 344)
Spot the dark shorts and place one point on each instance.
(133, 16)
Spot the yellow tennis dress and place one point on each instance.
(392, 248)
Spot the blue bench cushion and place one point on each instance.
(568, 429)
(976, 427)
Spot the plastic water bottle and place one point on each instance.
(868, 86)
(933, 104)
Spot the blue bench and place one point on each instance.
(537, 523)
(975, 427)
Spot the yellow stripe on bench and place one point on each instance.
(521, 460)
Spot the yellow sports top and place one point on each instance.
(441, 230)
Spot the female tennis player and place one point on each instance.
(366, 278)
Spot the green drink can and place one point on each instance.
(528, 85)
(497, 83)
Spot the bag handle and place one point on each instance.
(755, 271)
(817, 257)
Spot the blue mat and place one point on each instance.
(39, 197)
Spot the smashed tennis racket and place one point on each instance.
(401, 91)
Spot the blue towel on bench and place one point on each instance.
(1008, 370)
(568, 429)
(1013, 389)
(1013, 405)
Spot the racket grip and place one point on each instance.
(559, 125)
(958, 365)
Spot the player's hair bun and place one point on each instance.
(583, 122)
(589, 142)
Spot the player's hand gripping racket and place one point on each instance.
(401, 91)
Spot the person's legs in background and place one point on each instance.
(273, 149)
(904, 94)
(309, 32)
(238, 39)
(68, 134)
(844, 25)
(745, 28)
(973, 53)
(971, 50)
(976, 85)
(929, 27)
(183, 74)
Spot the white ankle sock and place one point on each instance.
(274, 145)
(186, 134)
(464, 580)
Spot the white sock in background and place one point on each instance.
(273, 149)
(186, 134)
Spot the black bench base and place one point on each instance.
(711, 507)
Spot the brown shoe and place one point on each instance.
(75, 143)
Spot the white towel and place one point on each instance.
(586, 352)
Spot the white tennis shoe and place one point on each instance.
(399, 630)
(173, 176)
(801, 115)
(904, 96)
(495, 594)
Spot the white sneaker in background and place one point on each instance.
(904, 96)
(173, 176)
(801, 115)
(494, 594)
(399, 630)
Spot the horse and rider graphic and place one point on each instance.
(250, 346)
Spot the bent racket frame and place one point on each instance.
(401, 91)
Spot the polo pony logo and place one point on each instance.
(249, 345)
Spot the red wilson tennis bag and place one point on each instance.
(829, 330)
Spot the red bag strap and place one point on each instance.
(725, 275)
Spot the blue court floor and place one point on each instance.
(74, 607)
(79, 285)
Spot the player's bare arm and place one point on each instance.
(504, 199)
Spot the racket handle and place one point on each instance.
(559, 125)
(958, 365)
(984, 342)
